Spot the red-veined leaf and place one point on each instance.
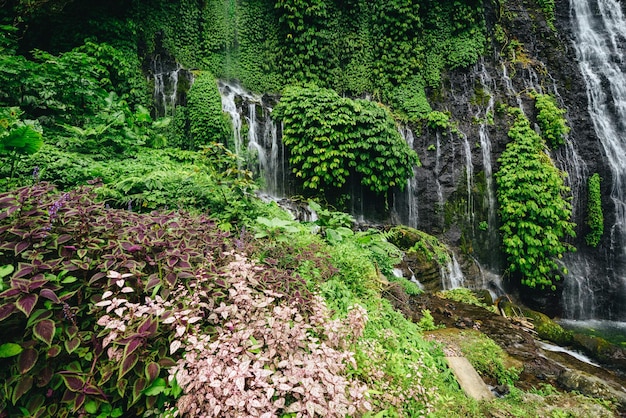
(37, 282)
(27, 360)
(166, 362)
(68, 396)
(138, 387)
(147, 327)
(121, 386)
(79, 401)
(38, 315)
(44, 330)
(45, 376)
(73, 381)
(23, 269)
(133, 345)
(97, 277)
(71, 345)
(171, 278)
(127, 364)
(152, 371)
(34, 403)
(27, 303)
(62, 239)
(21, 284)
(22, 387)
(21, 246)
(93, 390)
(50, 295)
(7, 310)
(71, 331)
(53, 351)
(153, 281)
(13, 291)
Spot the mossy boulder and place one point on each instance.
(601, 349)
(424, 255)
(547, 329)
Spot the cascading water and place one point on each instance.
(600, 32)
(166, 77)
(406, 205)
(266, 157)
(483, 115)
(451, 275)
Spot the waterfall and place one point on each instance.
(406, 205)
(451, 275)
(485, 147)
(437, 172)
(167, 76)
(260, 147)
(600, 31)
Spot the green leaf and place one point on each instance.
(91, 407)
(157, 387)
(24, 140)
(6, 270)
(10, 350)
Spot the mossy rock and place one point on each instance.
(601, 349)
(419, 242)
(547, 329)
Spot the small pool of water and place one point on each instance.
(612, 331)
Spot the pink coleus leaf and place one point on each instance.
(174, 346)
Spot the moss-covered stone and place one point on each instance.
(547, 329)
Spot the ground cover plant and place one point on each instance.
(100, 301)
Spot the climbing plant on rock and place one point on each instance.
(331, 138)
(534, 211)
(207, 122)
(595, 217)
(551, 119)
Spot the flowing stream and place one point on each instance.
(600, 35)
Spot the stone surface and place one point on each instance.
(469, 380)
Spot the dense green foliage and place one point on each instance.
(595, 217)
(331, 138)
(204, 111)
(551, 120)
(534, 211)
(17, 139)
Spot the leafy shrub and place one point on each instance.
(332, 138)
(207, 123)
(84, 340)
(551, 120)
(263, 359)
(61, 246)
(17, 139)
(535, 214)
(595, 217)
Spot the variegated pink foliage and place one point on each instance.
(264, 359)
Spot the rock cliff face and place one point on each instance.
(453, 194)
(455, 189)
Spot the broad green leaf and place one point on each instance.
(10, 350)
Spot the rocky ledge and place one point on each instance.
(540, 361)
